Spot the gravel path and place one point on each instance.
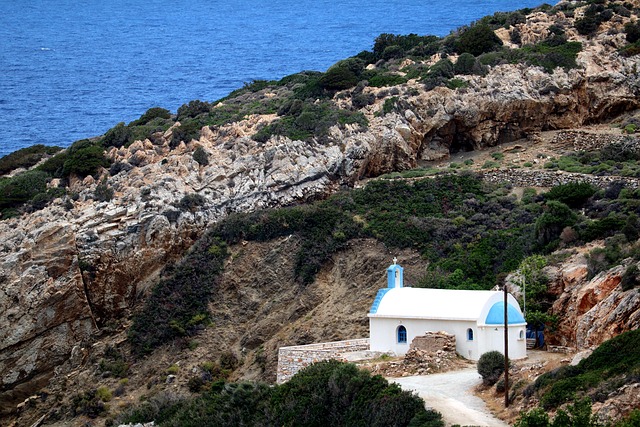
(450, 393)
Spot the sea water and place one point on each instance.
(72, 69)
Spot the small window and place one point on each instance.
(402, 335)
(469, 334)
(521, 335)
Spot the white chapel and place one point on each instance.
(476, 318)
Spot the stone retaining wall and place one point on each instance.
(580, 140)
(537, 178)
(292, 359)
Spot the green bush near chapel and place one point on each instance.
(491, 367)
(326, 393)
(613, 360)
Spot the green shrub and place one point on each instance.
(54, 165)
(104, 394)
(556, 217)
(477, 40)
(438, 74)
(632, 31)
(117, 136)
(342, 75)
(327, 393)
(468, 64)
(114, 363)
(614, 358)
(191, 202)
(201, 156)
(573, 194)
(630, 278)
(554, 52)
(505, 19)
(188, 130)
(489, 164)
(84, 158)
(386, 79)
(457, 84)
(25, 157)
(397, 45)
(23, 187)
(491, 367)
(89, 404)
(103, 192)
(314, 120)
(174, 301)
(578, 414)
(535, 418)
(389, 105)
(151, 114)
(339, 394)
(192, 109)
(594, 15)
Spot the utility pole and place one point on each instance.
(506, 349)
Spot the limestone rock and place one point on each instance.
(66, 272)
(592, 311)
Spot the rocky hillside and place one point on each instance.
(74, 271)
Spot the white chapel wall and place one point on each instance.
(384, 334)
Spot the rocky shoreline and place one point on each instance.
(70, 270)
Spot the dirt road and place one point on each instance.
(450, 393)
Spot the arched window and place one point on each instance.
(469, 334)
(402, 335)
(521, 336)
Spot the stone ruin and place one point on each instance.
(428, 354)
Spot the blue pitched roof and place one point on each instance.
(496, 314)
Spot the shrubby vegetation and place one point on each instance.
(632, 34)
(83, 158)
(154, 120)
(615, 159)
(491, 367)
(26, 157)
(577, 414)
(613, 364)
(477, 39)
(470, 231)
(177, 306)
(326, 393)
(309, 121)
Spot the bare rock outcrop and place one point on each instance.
(591, 311)
(68, 270)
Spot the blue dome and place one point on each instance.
(496, 314)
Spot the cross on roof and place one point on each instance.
(395, 260)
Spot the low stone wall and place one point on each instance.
(580, 140)
(292, 359)
(537, 178)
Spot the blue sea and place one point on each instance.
(72, 69)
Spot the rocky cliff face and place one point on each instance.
(594, 310)
(68, 270)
